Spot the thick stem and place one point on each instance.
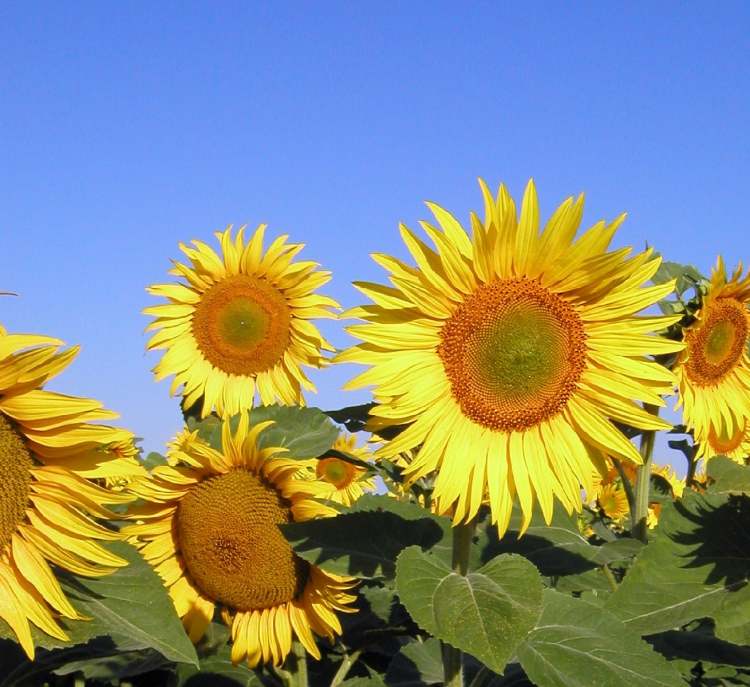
(692, 465)
(643, 480)
(452, 665)
(346, 664)
(299, 677)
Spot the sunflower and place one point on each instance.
(48, 453)
(209, 528)
(509, 352)
(339, 480)
(713, 371)
(240, 323)
(614, 502)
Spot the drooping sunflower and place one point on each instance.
(48, 453)
(510, 352)
(240, 323)
(209, 528)
(713, 371)
(339, 480)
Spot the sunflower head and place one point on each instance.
(239, 322)
(509, 352)
(613, 501)
(50, 448)
(209, 526)
(713, 371)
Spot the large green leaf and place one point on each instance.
(577, 644)
(728, 477)
(129, 610)
(698, 565)
(304, 432)
(486, 613)
(416, 665)
(360, 543)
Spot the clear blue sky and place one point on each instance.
(127, 127)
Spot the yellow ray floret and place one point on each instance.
(713, 371)
(48, 449)
(509, 352)
(208, 525)
(240, 323)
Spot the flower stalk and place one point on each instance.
(643, 480)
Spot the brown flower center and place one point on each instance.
(717, 343)
(15, 479)
(513, 352)
(241, 325)
(335, 471)
(234, 551)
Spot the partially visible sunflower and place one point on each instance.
(209, 528)
(337, 479)
(509, 353)
(713, 371)
(240, 323)
(48, 453)
(614, 502)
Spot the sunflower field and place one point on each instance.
(494, 517)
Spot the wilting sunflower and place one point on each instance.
(713, 371)
(240, 323)
(508, 353)
(209, 528)
(48, 451)
(339, 480)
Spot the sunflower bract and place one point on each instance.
(48, 452)
(509, 352)
(240, 323)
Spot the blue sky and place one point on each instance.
(125, 128)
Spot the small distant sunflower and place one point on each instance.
(509, 352)
(209, 528)
(614, 502)
(339, 480)
(48, 452)
(713, 371)
(240, 323)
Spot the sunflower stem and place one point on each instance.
(643, 480)
(345, 667)
(452, 663)
(300, 664)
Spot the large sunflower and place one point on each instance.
(209, 527)
(713, 371)
(240, 323)
(48, 449)
(508, 353)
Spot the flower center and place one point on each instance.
(513, 352)
(336, 471)
(241, 325)
(718, 343)
(234, 551)
(15, 480)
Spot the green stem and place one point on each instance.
(300, 664)
(346, 664)
(610, 577)
(481, 677)
(452, 664)
(692, 465)
(643, 480)
(628, 487)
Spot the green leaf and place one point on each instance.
(416, 665)
(109, 667)
(577, 643)
(130, 607)
(699, 646)
(153, 460)
(728, 477)
(485, 613)
(373, 680)
(686, 275)
(304, 432)
(697, 565)
(361, 543)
